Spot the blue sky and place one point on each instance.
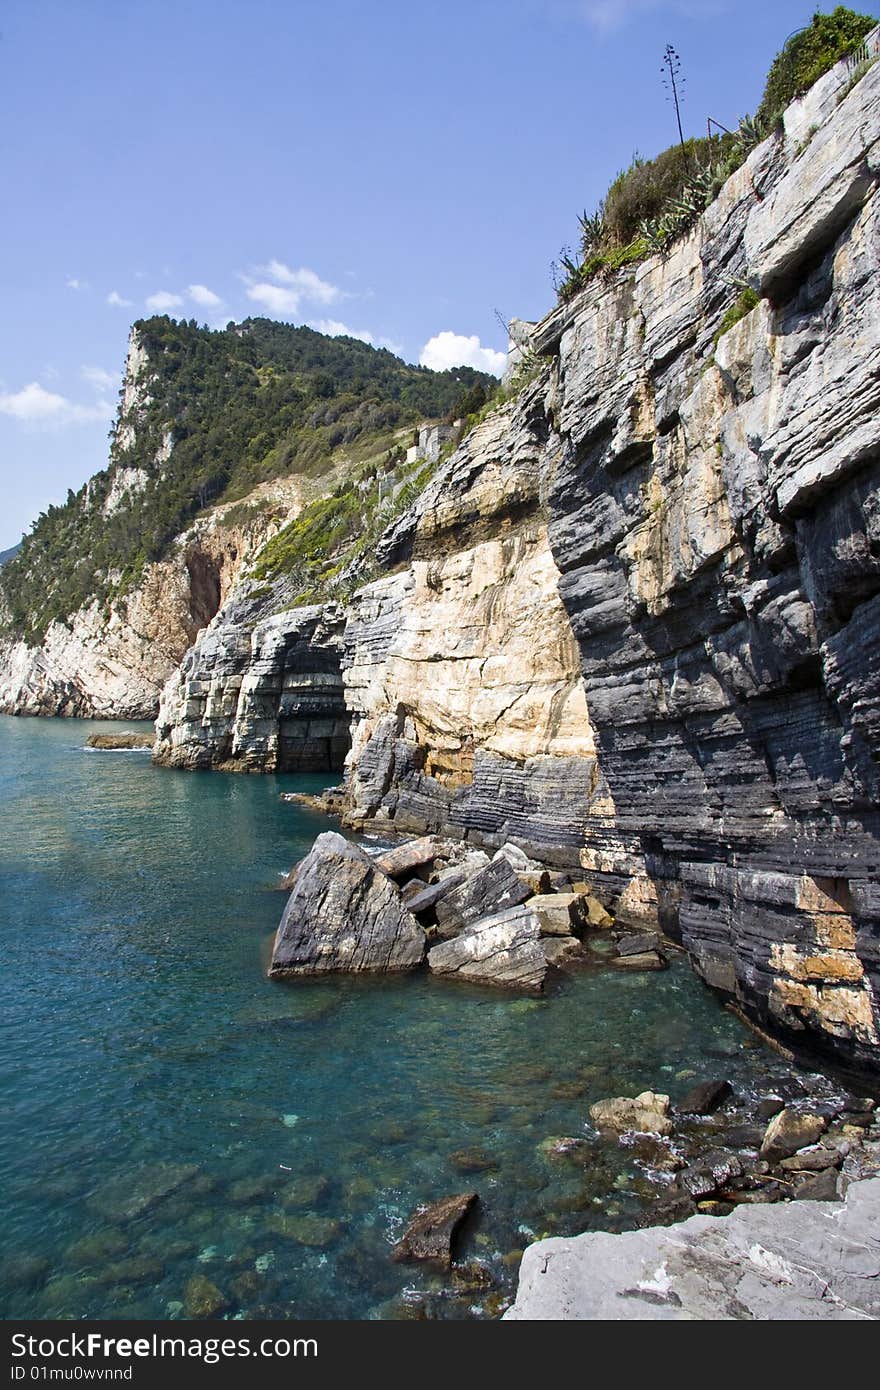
(395, 168)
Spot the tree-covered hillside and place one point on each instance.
(256, 401)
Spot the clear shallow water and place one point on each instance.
(166, 1112)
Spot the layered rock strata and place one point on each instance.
(704, 506)
(258, 693)
(633, 623)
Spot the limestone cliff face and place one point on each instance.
(461, 672)
(714, 519)
(710, 511)
(633, 624)
(258, 693)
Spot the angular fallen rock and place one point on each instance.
(489, 890)
(432, 1229)
(504, 950)
(560, 914)
(650, 960)
(638, 943)
(402, 859)
(344, 914)
(647, 1113)
(713, 1171)
(704, 1098)
(816, 1158)
(791, 1261)
(430, 894)
(596, 913)
(789, 1131)
(516, 858)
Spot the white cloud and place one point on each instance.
(99, 378)
(34, 405)
(275, 298)
(74, 284)
(163, 300)
(305, 281)
(117, 301)
(608, 15)
(334, 329)
(447, 349)
(282, 291)
(200, 294)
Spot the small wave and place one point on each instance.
(86, 749)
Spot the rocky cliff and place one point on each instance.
(111, 659)
(221, 438)
(632, 623)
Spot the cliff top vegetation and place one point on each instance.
(654, 201)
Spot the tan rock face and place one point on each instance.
(113, 662)
(465, 667)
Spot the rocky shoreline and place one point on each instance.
(511, 923)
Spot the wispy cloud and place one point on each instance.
(98, 377)
(116, 301)
(448, 349)
(162, 301)
(74, 284)
(200, 294)
(608, 15)
(34, 405)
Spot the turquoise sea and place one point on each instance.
(168, 1115)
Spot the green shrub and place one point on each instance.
(655, 201)
(644, 190)
(808, 55)
(748, 300)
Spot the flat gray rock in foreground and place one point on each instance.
(796, 1261)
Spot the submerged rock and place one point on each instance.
(23, 1271)
(430, 1235)
(130, 1194)
(203, 1299)
(504, 950)
(344, 914)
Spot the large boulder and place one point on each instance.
(647, 1113)
(344, 914)
(789, 1131)
(490, 890)
(504, 949)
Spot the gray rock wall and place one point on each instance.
(258, 694)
